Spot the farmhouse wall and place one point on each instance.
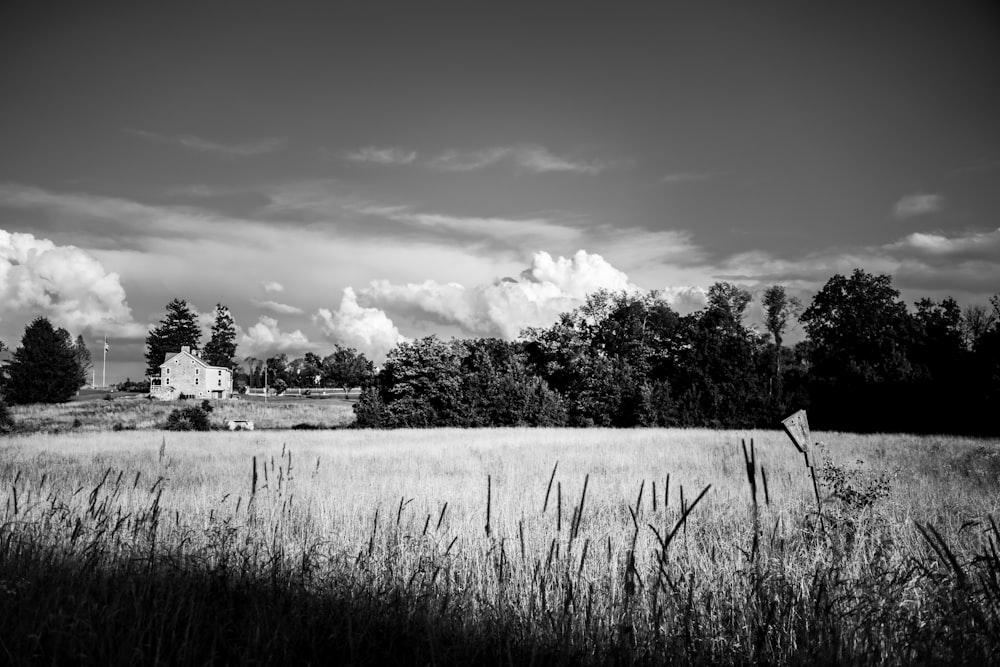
(185, 373)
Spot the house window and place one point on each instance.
(168, 371)
(168, 380)
(196, 380)
(220, 382)
(196, 371)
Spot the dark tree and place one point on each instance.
(347, 368)
(862, 336)
(83, 359)
(860, 329)
(729, 300)
(44, 368)
(178, 328)
(778, 309)
(977, 320)
(221, 349)
(420, 386)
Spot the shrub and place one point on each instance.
(6, 420)
(188, 419)
(206, 406)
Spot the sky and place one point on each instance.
(368, 173)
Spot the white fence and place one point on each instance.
(305, 392)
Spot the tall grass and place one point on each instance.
(497, 547)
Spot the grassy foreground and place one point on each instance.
(497, 547)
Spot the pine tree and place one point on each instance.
(178, 328)
(83, 359)
(44, 368)
(221, 349)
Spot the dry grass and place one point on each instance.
(134, 411)
(442, 543)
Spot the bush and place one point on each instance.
(6, 419)
(188, 419)
(206, 406)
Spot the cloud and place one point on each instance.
(685, 299)
(275, 307)
(919, 204)
(265, 338)
(381, 156)
(63, 283)
(271, 286)
(533, 158)
(200, 145)
(546, 288)
(933, 246)
(369, 330)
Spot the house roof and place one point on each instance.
(186, 353)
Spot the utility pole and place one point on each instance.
(265, 381)
(104, 369)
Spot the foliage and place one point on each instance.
(193, 418)
(6, 418)
(345, 367)
(221, 349)
(178, 328)
(45, 368)
(136, 387)
(778, 309)
(83, 359)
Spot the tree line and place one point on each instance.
(868, 363)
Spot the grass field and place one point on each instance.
(92, 413)
(497, 547)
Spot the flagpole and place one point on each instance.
(104, 370)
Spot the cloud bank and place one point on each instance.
(369, 330)
(63, 283)
(548, 287)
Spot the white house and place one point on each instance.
(186, 373)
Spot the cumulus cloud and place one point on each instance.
(270, 286)
(546, 288)
(275, 307)
(917, 204)
(63, 283)
(369, 330)
(265, 338)
(382, 156)
(198, 144)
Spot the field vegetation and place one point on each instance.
(122, 411)
(508, 546)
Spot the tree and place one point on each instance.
(347, 368)
(178, 328)
(83, 359)
(778, 308)
(729, 299)
(977, 321)
(44, 368)
(862, 336)
(221, 349)
(421, 385)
